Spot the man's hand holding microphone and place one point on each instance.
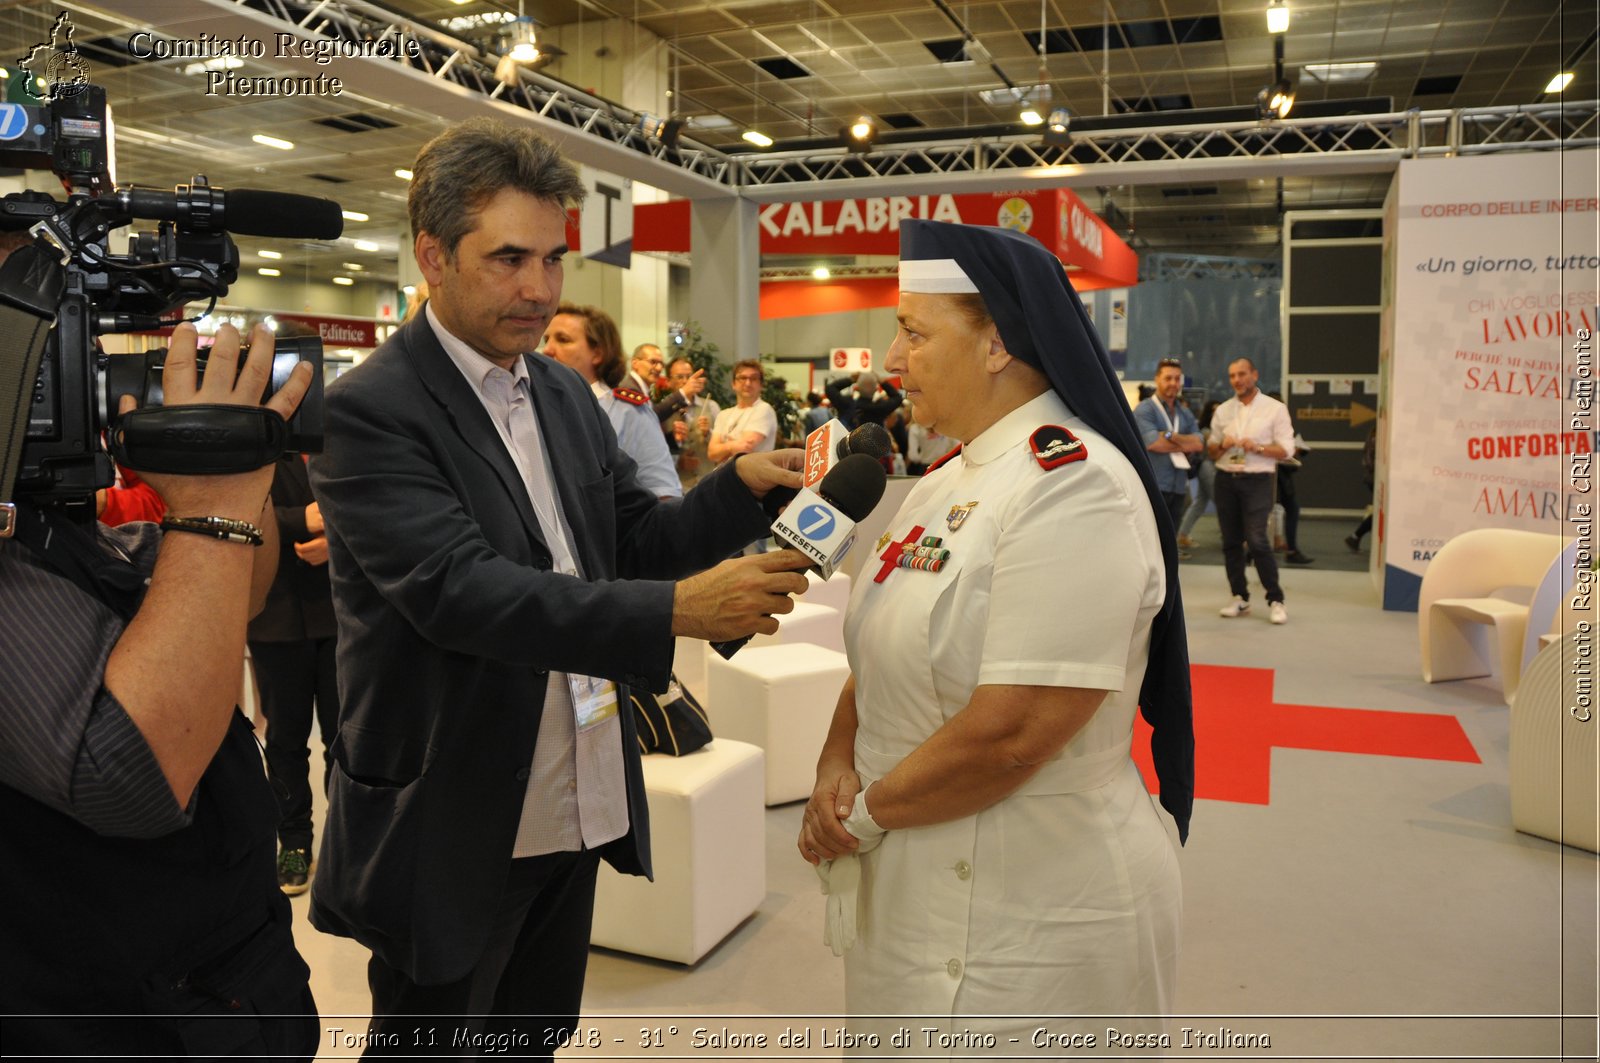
(829, 486)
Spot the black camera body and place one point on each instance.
(93, 292)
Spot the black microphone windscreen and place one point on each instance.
(253, 212)
(854, 485)
(871, 439)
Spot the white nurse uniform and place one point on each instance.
(1063, 898)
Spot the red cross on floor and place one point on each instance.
(891, 556)
(1237, 725)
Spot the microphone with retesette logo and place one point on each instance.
(821, 522)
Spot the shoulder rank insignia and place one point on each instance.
(942, 460)
(1053, 445)
(632, 396)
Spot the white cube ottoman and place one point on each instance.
(708, 845)
(689, 664)
(780, 698)
(820, 625)
(833, 592)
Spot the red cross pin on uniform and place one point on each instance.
(891, 556)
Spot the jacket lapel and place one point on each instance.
(559, 425)
(465, 411)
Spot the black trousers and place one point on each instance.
(524, 992)
(1291, 507)
(1177, 502)
(1244, 508)
(294, 676)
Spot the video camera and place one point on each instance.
(67, 275)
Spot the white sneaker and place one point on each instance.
(1238, 607)
(1277, 613)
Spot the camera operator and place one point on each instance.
(143, 915)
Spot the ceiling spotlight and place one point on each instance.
(270, 254)
(1058, 128)
(353, 215)
(366, 245)
(665, 130)
(1277, 16)
(821, 273)
(273, 142)
(1031, 117)
(1275, 100)
(859, 135)
(343, 280)
(758, 138)
(670, 131)
(267, 271)
(524, 43)
(404, 175)
(1559, 82)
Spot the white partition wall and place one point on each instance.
(1488, 355)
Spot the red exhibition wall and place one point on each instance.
(1093, 254)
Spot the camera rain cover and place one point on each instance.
(198, 440)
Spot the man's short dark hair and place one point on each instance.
(749, 363)
(461, 169)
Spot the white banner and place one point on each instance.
(1488, 352)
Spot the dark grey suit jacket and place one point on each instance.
(450, 621)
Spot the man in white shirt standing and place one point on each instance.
(751, 427)
(1250, 434)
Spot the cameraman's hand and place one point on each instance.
(314, 523)
(203, 590)
(237, 496)
(313, 551)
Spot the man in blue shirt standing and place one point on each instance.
(1170, 435)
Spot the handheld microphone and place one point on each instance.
(826, 447)
(830, 444)
(821, 523)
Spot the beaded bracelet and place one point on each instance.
(233, 531)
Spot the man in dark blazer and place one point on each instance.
(500, 579)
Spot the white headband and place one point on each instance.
(935, 276)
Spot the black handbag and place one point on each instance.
(674, 723)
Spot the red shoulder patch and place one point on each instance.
(1054, 446)
(632, 396)
(942, 460)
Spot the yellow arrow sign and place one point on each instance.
(1355, 413)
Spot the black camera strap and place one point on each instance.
(31, 281)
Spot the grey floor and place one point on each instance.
(1377, 908)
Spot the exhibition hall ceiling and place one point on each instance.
(799, 69)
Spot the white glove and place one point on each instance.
(841, 879)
